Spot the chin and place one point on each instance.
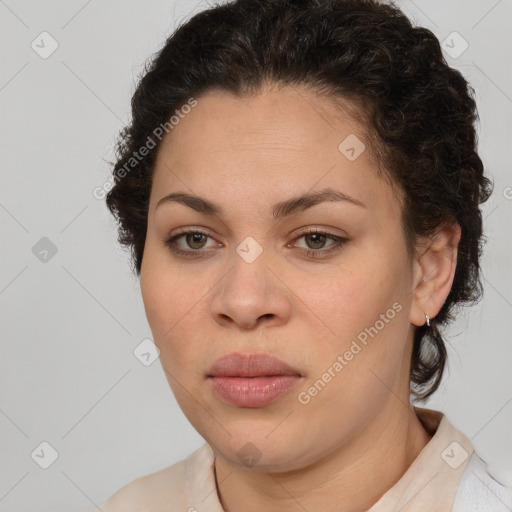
(254, 449)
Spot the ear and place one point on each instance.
(434, 269)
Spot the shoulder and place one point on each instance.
(482, 489)
(166, 488)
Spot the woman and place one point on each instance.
(300, 189)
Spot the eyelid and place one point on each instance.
(326, 230)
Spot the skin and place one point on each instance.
(357, 437)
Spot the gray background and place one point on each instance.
(69, 325)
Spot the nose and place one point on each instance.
(250, 295)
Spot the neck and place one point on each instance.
(356, 474)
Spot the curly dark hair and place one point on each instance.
(419, 113)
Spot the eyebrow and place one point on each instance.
(283, 209)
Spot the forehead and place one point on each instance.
(287, 117)
(266, 146)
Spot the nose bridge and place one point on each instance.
(250, 289)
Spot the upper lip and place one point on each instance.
(250, 365)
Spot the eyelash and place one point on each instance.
(339, 243)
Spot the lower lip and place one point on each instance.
(253, 391)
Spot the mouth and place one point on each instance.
(252, 380)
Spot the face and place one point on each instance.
(323, 285)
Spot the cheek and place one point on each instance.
(350, 300)
(363, 308)
(172, 303)
(172, 308)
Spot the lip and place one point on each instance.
(252, 380)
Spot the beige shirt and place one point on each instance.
(430, 484)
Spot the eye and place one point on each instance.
(196, 240)
(317, 240)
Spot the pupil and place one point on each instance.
(318, 235)
(196, 238)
